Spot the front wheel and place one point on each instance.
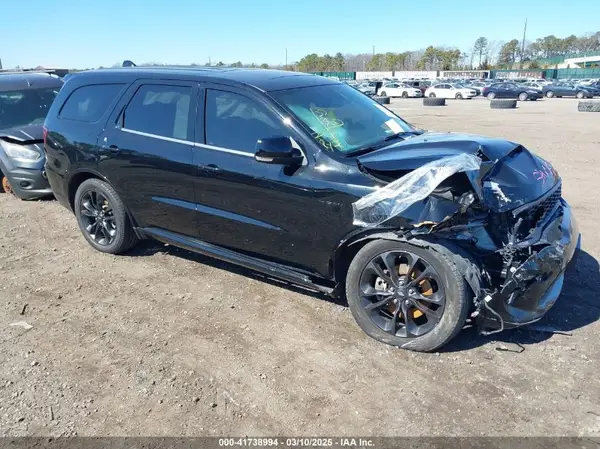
(491, 96)
(382, 94)
(431, 95)
(102, 217)
(459, 96)
(404, 94)
(523, 96)
(407, 296)
(549, 94)
(580, 95)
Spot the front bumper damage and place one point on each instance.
(531, 288)
(512, 252)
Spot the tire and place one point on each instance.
(503, 104)
(433, 101)
(453, 313)
(382, 94)
(382, 100)
(588, 106)
(404, 94)
(124, 237)
(549, 94)
(523, 96)
(431, 95)
(580, 95)
(491, 96)
(459, 96)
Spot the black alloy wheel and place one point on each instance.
(402, 293)
(103, 218)
(98, 218)
(408, 295)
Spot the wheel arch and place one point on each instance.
(465, 261)
(79, 177)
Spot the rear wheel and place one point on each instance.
(549, 94)
(407, 296)
(102, 217)
(580, 95)
(491, 96)
(5, 185)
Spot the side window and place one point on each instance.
(160, 110)
(236, 122)
(89, 103)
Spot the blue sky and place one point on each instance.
(82, 34)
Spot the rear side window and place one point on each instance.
(89, 103)
(160, 110)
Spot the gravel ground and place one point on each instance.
(165, 342)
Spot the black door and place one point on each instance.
(147, 154)
(252, 207)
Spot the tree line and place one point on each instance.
(482, 55)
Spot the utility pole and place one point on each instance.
(523, 44)
(373, 50)
(286, 58)
(209, 63)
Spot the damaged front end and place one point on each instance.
(498, 203)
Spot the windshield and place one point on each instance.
(341, 118)
(20, 108)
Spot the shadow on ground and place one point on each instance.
(150, 247)
(577, 306)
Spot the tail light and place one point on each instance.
(44, 133)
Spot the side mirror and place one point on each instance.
(278, 150)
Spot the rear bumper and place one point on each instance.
(27, 179)
(535, 285)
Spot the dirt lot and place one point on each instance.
(164, 342)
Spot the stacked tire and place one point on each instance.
(382, 100)
(434, 101)
(503, 104)
(589, 106)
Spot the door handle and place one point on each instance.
(210, 168)
(113, 149)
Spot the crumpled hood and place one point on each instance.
(509, 177)
(25, 134)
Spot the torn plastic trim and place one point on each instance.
(389, 201)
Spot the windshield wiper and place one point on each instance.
(364, 150)
(395, 136)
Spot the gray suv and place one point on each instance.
(25, 99)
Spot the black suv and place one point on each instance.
(25, 99)
(306, 179)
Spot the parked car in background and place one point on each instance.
(519, 91)
(399, 90)
(25, 99)
(446, 90)
(305, 179)
(566, 90)
(535, 85)
(595, 90)
(366, 88)
(422, 85)
(467, 85)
